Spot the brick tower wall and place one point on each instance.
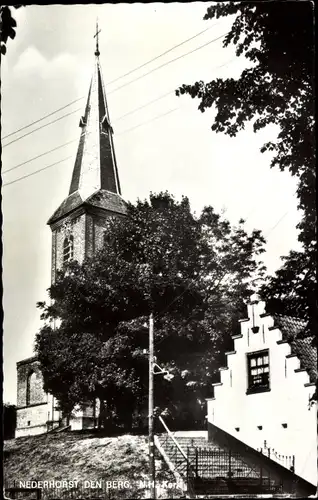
(33, 404)
(75, 226)
(37, 394)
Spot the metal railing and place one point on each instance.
(218, 471)
(287, 461)
(181, 460)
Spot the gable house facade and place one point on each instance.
(264, 397)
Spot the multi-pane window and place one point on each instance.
(68, 249)
(258, 371)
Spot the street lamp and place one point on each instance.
(167, 376)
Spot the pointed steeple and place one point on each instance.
(95, 169)
(95, 165)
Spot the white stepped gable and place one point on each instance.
(263, 393)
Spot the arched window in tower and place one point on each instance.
(68, 249)
(34, 388)
(31, 384)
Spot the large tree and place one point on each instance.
(277, 39)
(191, 272)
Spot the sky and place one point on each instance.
(165, 145)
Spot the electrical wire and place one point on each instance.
(122, 86)
(43, 118)
(148, 121)
(277, 223)
(116, 120)
(112, 81)
(36, 172)
(74, 140)
(75, 111)
(166, 63)
(125, 131)
(195, 279)
(144, 105)
(39, 156)
(42, 126)
(160, 55)
(66, 143)
(168, 93)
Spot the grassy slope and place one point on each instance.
(81, 457)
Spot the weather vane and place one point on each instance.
(96, 36)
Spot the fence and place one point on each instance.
(224, 472)
(287, 461)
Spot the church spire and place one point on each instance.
(95, 166)
(95, 169)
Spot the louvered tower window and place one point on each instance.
(68, 249)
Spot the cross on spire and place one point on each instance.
(96, 36)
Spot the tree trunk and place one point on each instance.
(102, 414)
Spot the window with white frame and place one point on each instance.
(258, 371)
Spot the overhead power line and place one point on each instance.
(222, 278)
(36, 172)
(144, 105)
(117, 119)
(56, 163)
(275, 225)
(42, 126)
(74, 140)
(39, 156)
(112, 81)
(166, 63)
(118, 88)
(161, 55)
(148, 121)
(43, 117)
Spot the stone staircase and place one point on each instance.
(188, 443)
(200, 466)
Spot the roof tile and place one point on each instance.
(293, 330)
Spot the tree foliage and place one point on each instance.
(7, 26)
(277, 39)
(292, 291)
(191, 272)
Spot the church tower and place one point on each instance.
(78, 224)
(78, 227)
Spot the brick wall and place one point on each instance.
(31, 431)
(33, 416)
(77, 228)
(29, 371)
(95, 229)
(87, 229)
(99, 231)
(33, 404)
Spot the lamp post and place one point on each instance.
(152, 472)
(168, 376)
